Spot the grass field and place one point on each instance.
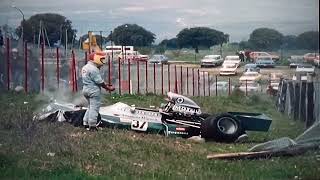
(121, 154)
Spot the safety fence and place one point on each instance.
(300, 100)
(40, 69)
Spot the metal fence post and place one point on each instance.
(26, 67)
(161, 78)
(216, 85)
(58, 67)
(204, 83)
(119, 75)
(181, 79)
(208, 83)
(198, 82)
(154, 78)
(109, 72)
(42, 67)
(187, 80)
(138, 76)
(8, 63)
(129, 75)
(75, 79)
(175, 79)
(229, 87)
(246, 87)
(146, 76)
(193, 84)
(169, 77)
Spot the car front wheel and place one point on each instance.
(222, 128)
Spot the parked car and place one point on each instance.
(228, 69)
(232, 60)
(303, 71)
(255, 55)
(211, 60)
(133, 56)
(158, 59)
(250, 76)
(295, 61)
(310, 57)
(305, 68)
(251, 68)
(265, 62)
(221, 86)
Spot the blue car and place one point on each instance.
(251, 68)
(265, 62)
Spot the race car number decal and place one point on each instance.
(139, 125)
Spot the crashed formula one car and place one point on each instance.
(179, 117)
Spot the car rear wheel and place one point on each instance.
(222, 128)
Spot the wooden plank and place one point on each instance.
(302, 106)
(291, 99)
(310, 119)
(296, 103)
(290, 151)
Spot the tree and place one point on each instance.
(245, 45)
(309, 40)
(132, 35)
(201, 36)
(169, 43)
(55, 25)
(289, 42)
(265, 39)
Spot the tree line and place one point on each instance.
(58, 29)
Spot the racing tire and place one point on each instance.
(222, 128)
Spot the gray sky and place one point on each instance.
(166, 18)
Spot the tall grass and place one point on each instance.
(46, 150)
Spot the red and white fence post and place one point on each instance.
(154, 78)
(109, 72)
(129, 75)
(169, 77)
(138, 76)
(119, 75)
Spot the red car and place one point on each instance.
(310, 57)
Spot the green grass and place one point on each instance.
(121, 154)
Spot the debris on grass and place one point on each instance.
(138, 164)
(51, 154)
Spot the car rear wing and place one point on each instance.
(253, 121)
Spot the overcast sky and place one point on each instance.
(166, 18)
